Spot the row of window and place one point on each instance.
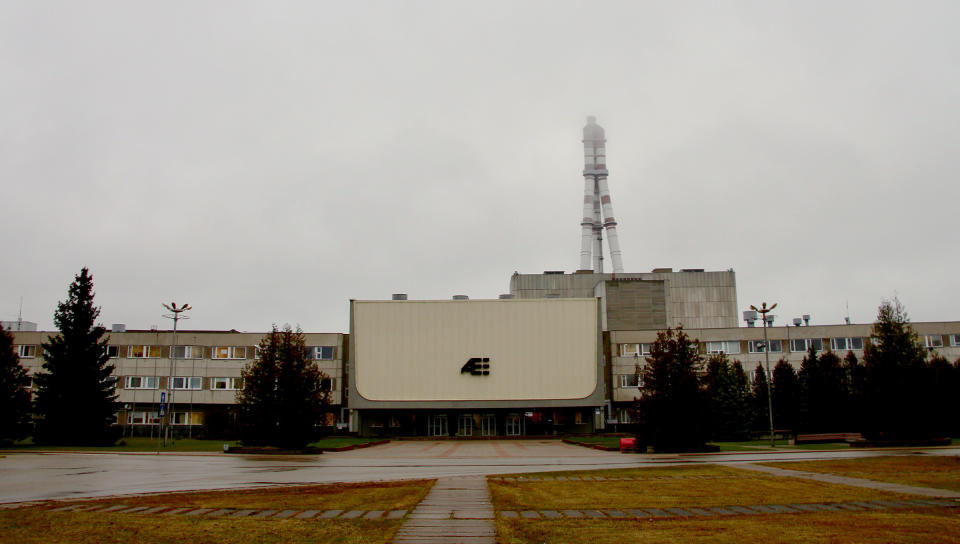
(153, 418)
(185, 352)
(195, 383)
(796, 345)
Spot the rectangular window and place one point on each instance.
(628, 350)
(731, 346)
(186, 418)
(226, 384)
(27, 352)
(578, 417)
(143, 352)
(933, 341)
(803, 344)
(323, 352)
(845, 344)
(625, 416)
(326, 384)
(955, 339)
(143, 418)
(230, 352)
(113, 351)
(756, 346)
(187, 382)
(141, 382)
(629, 380)
(187, 352)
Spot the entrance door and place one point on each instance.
(513, 425)
(437, 425)
(488, 425)
(465, 425)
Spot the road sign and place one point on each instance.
(163, 397)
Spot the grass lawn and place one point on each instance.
(29, 525)
(341, 441)
(397, 495)
(920, 526)
(764, 445)
(671, 487)
(925, 471)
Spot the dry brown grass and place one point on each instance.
(924, 471)
(919, 526)
(29, 525)
(675, 487)
(352, 496)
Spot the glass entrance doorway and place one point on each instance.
(465, 425)
(513, 425)
(488, 425)
(437, 425)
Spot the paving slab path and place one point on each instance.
(457, 510)
(847, 480)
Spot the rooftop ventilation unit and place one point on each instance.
(399, 296)
(560, 272)
(461, 297)
(506, 296)
(750, 316)
(806, 319)
(118, 327)
(797, 321)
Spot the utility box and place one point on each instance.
(628, 444)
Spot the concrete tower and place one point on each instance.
(596, 200)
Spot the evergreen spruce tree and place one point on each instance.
(896, 404)
(854, 372)
(14, 397)
(758, 398)
(281, 401)
(75, 392)
(728, 392)
(786, 396)
(942, 384)
(671, 406)
(823, 393)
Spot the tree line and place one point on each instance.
(898, 391)
(74, 399)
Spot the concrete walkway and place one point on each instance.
(856, 482)
(457, 510)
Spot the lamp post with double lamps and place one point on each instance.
(175, 316)
(767, 320)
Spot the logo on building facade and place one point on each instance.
(476, 366)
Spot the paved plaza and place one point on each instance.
(39, 476)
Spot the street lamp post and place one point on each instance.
(763, 310)
(175, 316)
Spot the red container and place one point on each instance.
(627, 443)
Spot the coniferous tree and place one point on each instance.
(725, 385)
(823, 392)
(942, 383)
(671, 405)
(854, 372)
(282, 400)
(786, 396)
(75, 392)
(896, 405)
(14, 397)
(758, 395)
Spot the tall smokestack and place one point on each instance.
(597, 204)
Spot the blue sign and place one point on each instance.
(163, 409)
(163, 397)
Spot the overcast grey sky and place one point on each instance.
(266, 162)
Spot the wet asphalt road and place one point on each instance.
(37, 476)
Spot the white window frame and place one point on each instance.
(624, 416)
(848, 344)
(113, 351)
(625, 380)
(231, 352)
(730, 347)
(189, 352)
(187, 383)
(188, 418)
(807, 343)
(143, 382)
(146, 418)
(146, 352)
(933, 340)
(230, 384)
(318, 352)
(27, 351)
(955, 340)
(756, 346)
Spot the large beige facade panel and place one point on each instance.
(538, 349)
